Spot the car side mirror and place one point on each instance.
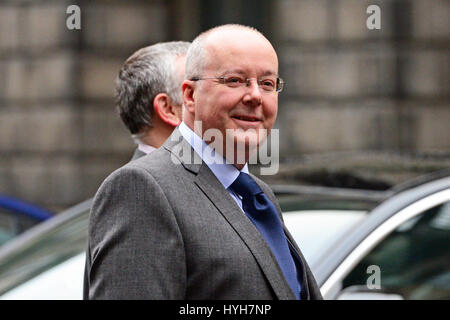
(364, 293)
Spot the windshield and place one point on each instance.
(63, 281)
(44, 251)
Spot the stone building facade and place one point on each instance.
(350, 91)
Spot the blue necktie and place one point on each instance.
(264, 216)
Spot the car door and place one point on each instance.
(407, 256)
(412, 262)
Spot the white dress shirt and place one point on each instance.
(145, 148)
(225, 172)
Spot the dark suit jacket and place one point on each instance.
(164, 228)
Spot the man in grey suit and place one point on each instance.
(148, 93)
(183, 222)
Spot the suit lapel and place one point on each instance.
(302, 263)
(297, 253)
(222, 200)
(213, 189)
(225, 204)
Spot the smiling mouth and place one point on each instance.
(247, 118)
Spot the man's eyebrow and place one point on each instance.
(242, 72)
(239, 71)
(270, 73)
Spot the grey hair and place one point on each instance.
(146, 73)
(197, 58)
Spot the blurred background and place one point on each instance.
(361, 108)
(364, 110)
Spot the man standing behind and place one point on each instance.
(148, 93)
(165, 227)
(149, 98)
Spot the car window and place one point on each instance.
(45, 252)
(414, 260)
(12, 224)
(61, 282)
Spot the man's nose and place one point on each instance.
(253, 94)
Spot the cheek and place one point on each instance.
(271, 109)
(212, 113)
(221, 105)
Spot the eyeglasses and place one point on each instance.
(266, 84)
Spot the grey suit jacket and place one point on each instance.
(164, 228)
(137, 154)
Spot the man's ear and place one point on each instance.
(164, 108)
(188, 95)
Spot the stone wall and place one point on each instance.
(59, 132)
(354, 89)
(349, 89)
(369, 103)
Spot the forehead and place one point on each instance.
(242, 51)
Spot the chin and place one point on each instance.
(244, 148)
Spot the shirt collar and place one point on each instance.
(145, 148)
(222, 169)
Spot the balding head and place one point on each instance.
(205, 46)
(231, 87)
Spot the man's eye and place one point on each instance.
(234, 80)
(268, 83)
